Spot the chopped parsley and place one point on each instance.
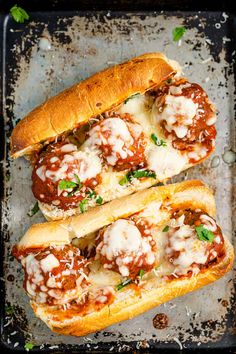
(123, 284)
(9, 310)
(34, 210)
(130, 98)
(166, 228)
(99, 200)
(204, 234)
(145, 173)
(125, 180)
(29, 346)
(136, 174)
(178, 33)
(91, 194)
(169, 81)
(141, 273)
(157, 141)
(79, 184)
(63, 184)
(19, 14)
(82, 205)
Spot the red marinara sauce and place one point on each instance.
(47, 190)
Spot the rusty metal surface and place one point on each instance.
(53, 52)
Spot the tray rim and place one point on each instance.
(4, 17)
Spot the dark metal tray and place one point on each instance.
(83, 42)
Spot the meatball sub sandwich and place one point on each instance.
(120, 259)
(121, 130)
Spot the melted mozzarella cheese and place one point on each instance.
(165, 161)
(90, 165)
(68, 148)
(208, 222)
(86, 164)
(140, 107)
(190, 248)
(211, 120)
(178, 112)
(41, 172)
(123, 243)
(115, 133)
(152, 212)
(48, 263)
(32, 267)
(198, 152)
(121, 237)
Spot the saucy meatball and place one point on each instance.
(126, 247)
(187, 117)
(63, 174)
(120, 141)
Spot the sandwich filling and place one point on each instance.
(133, 254)
(150, 137)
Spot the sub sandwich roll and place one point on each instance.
(121, 130)
(123, 258)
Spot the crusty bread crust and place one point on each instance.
(189, 193)
(192, 194)
(95, 95)
(61, 321)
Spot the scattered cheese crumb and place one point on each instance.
(206, 60)
(178, 342)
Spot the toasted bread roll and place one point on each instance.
(89, 98)
(123, 258)
(121, 130)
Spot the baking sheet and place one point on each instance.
(52, 52)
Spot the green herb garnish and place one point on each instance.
(169, 81)
(79, 184)
(141, 273)
(130, 98)
(9, 310)
(82, 205)
(178, 33)
(145, 173)
(99, 200)
(136, 174)
(204, 234)
(34, 210)
(123, 284)
(157, 141)
(91, 194)
(166, 228)
(19, 14)
(125, 180)
(63, 184)
(29, 346)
